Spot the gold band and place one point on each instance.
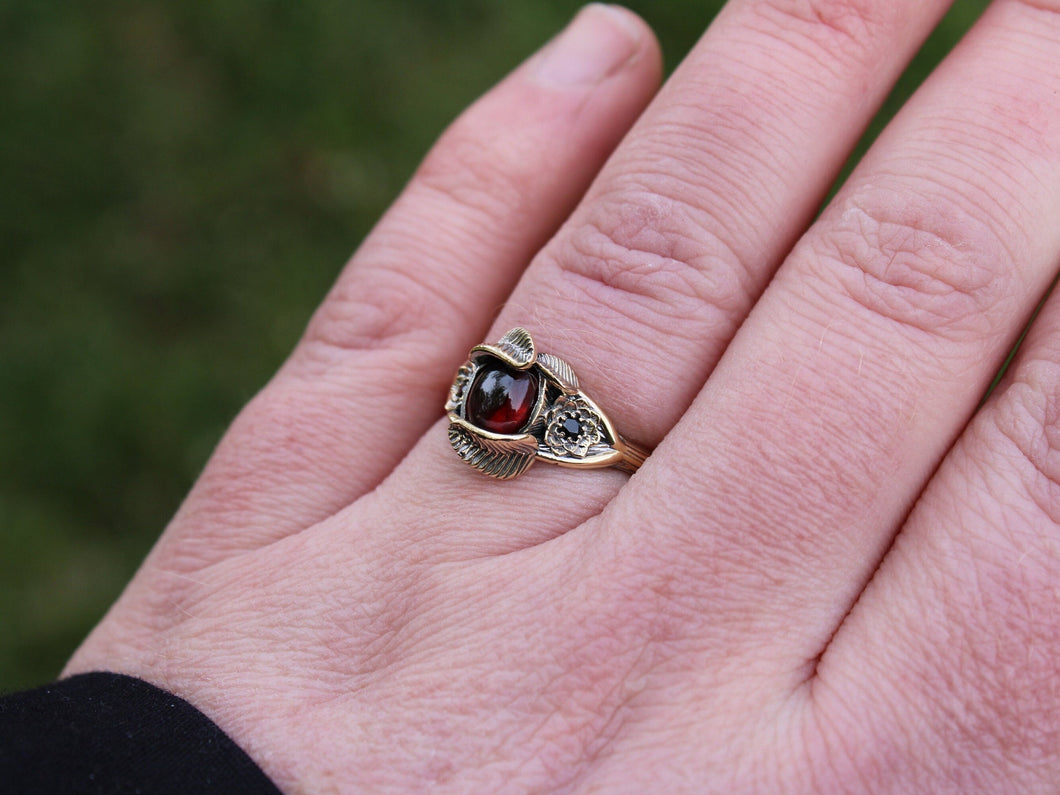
(510, 406)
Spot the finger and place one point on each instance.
(869, 351)
(646, 284)
(953, 651)
(368, 377)
(642, 289)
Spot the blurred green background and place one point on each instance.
(181, 183)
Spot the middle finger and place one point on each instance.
(646, 284)
(868, 353)
(707, 193)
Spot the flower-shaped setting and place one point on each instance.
(572, 427)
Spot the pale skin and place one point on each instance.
(835, 574)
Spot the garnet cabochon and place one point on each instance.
(501, 398)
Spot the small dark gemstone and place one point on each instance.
(501, 399)
(572, 428)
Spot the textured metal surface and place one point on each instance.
(559, 370)
(499, 458)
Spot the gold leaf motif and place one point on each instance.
(518, 344)
(499, 458)
(558, 369)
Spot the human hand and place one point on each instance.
(829, 577)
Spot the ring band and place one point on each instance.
(510, 406)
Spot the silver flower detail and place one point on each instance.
(572, 427)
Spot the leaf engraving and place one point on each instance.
(518, 344)
(558, 369)
(499, 458)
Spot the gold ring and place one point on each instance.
(510, 406)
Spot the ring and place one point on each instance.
(510, 406)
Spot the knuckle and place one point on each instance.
(360, 315)
(474, 180)
(475, 171)
(835, 25)
(269, 440)
(933, 269)
(647, 255)
(1027, 415)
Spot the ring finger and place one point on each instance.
(645, 285)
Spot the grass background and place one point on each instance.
(181, 184)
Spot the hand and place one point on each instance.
(829, 577)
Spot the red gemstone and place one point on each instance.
(501, 399)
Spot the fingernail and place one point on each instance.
(597, 42)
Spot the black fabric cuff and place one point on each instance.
(114, 734)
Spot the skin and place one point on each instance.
(837, 572)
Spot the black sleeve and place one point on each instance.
(113, 734)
